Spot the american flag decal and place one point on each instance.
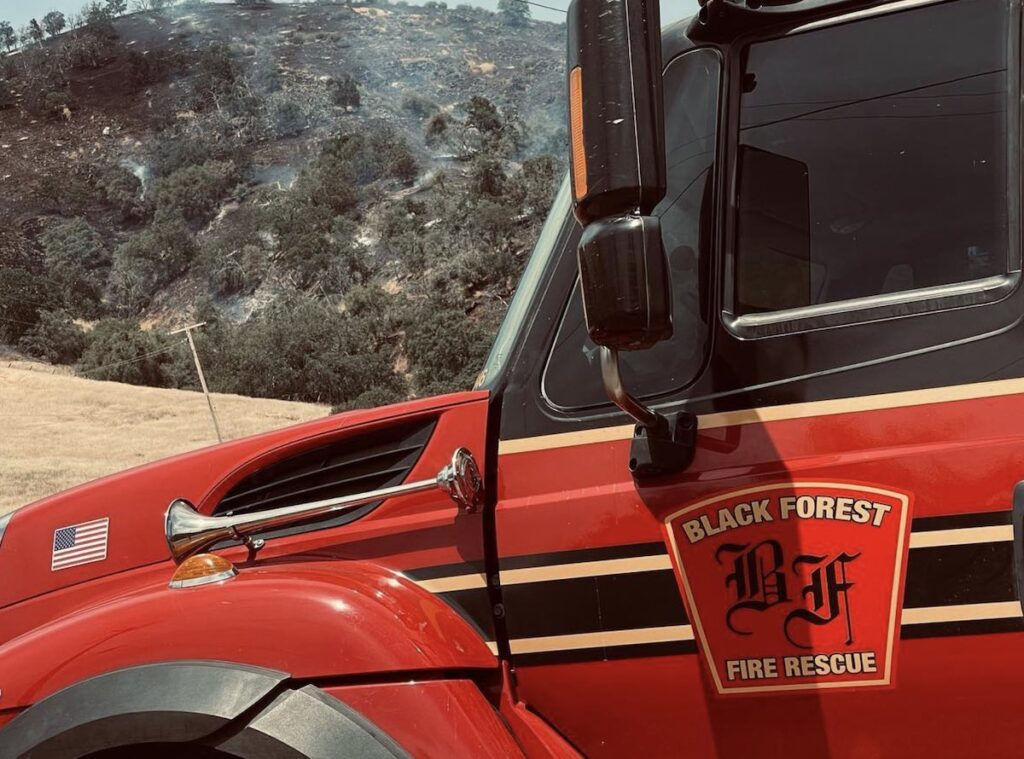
(79, 544)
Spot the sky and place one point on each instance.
(18, 12)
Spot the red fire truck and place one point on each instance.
(739, 478)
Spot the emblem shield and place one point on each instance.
(794, 586)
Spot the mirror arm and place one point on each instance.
(617, 393)
(661, 444)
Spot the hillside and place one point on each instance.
(61, 430)
(345, 194)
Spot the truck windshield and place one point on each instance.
(512, 327)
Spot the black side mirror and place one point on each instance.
(616, 118)
(626, 286)
(617, 134)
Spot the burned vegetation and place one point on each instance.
(345, 194)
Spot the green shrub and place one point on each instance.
(233, 259)
(23, 295)
(265, 73)
(155, 67)
(45, 87)
(534, 187)
(215, 76)
(304, 350)
(514, 13)
(94, 44)
(344, 91)
(77, 260)
(180, 147)
(418, 105)
(195, 192)
(71, 192)
(332, 260)
(436, 128)
(117, 350)
(446, 350)
(55, 338)
(287, 118)
(233, 271)
(487, 177)
(403, 165)
(124, 193)
(483, 115)
(149, 260)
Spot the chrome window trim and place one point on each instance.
(857, 15)
(903, 303)
(995, 285)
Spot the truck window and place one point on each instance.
(572, 378)
(873, 160)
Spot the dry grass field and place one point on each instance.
(57, 430)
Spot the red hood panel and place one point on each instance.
(135, 502)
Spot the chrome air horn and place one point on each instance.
(190, 532)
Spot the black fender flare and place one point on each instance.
(246, 711)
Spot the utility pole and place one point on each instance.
(199, 368)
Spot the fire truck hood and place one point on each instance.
(116, 523)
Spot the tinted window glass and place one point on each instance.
(573, 377)
(873, 158)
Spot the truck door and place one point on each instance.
(842, 231)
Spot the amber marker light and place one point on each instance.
(202, 569)
(579, 153)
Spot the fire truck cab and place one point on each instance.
(738, 478)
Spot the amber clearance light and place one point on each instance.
(202, 569)
(579, 153)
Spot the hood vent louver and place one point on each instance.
(357, 464)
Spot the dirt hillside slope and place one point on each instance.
(60, 430)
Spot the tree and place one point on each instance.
(116, 7)
(195, 192)
(514, 12)
(119, 351)
(8, 37)
(76, 258)
(22, 296)
(56, 338)
(45, 86)
(54, 23)
(94, 13)
(343, 91)
(298, 348)
(446, 350)
(149, 260)
(35, 31)
(482, 114)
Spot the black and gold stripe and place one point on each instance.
(623, 601)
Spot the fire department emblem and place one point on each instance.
(794, 586)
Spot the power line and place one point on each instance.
(135, 360)
(541, 5)
(860, 101)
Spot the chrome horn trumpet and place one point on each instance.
(190, 532)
